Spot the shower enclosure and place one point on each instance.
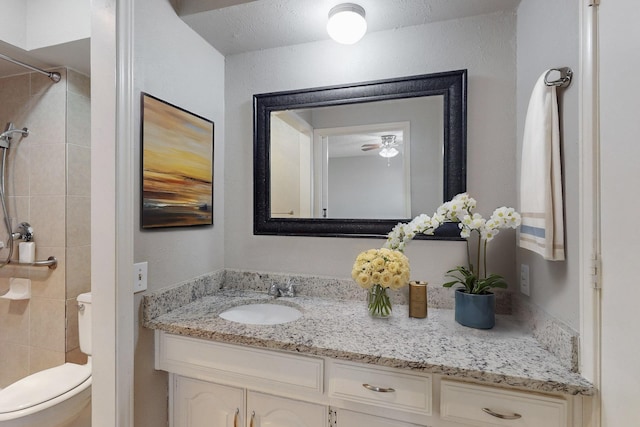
(45, 185)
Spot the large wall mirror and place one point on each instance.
(355, 160)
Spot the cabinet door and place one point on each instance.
(264, 410)
(202, 404)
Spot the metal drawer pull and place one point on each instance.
(378, 389)
(235, 418)
(513, 416)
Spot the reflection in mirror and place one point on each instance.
(365, 171)
(340, 161)
(357, 159)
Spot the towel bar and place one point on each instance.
(565, 77)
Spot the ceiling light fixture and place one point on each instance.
(388, 152)
(346, 23)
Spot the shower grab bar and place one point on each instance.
(55, 76)
(566, 74)
(50, 262)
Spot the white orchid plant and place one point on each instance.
(460, 209)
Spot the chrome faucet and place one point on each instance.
(282, 289)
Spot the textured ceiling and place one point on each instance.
(236, 26)
(265, 24)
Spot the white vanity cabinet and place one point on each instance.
(264, 410)
(197, 403)
(227, 385)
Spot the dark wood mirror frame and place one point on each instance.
(452, 85)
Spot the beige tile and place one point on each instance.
(15, 363)
(78, 171)
(14, 110)
(45, 282)
(47, 119)
(78, 83)
(43, 84)
(76, 356)
(78, 221)
(18, 169)
(47, 215)
(14, 321)
(47, 326)
(40, 359)
(8, 271)
(78, 120)
(48, 169)
(18, 208)
(14, 86)
(78, 270)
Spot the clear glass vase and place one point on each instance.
(379, 303)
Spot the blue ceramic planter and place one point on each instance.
(475, 311)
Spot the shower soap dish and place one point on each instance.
(19, 289)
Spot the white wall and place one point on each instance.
(484, 45)
(34, 24)
(12, 22)
(620, 151)
(176, 65)
(51, 23)
(548, 33)
(375, 191)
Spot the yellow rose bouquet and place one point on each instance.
(379, 269)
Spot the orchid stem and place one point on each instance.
(485, 258)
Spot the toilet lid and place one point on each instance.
(42, 386)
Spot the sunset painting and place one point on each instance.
(177, 166)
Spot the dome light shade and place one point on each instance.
(388, 152)
(346, 23)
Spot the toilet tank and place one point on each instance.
(84, 322)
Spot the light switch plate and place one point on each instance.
(140, 271)
(524, 279)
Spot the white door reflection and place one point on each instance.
(291, 167)
(365, 171)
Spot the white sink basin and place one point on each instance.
(261, 314)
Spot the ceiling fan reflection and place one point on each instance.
(386, 146)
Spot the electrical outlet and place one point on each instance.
(140, 276)
(524, 279)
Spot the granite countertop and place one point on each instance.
(342, 329)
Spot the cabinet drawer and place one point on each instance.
(241, 366)
(356, 419)
(381, 387)
(472, 404)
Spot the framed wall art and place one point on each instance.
(177, 166)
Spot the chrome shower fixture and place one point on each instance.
(25, 232)
(6, 136)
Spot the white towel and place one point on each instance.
(541, 207)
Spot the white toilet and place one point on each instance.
(56, 397)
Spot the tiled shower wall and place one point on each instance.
(48, 186)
